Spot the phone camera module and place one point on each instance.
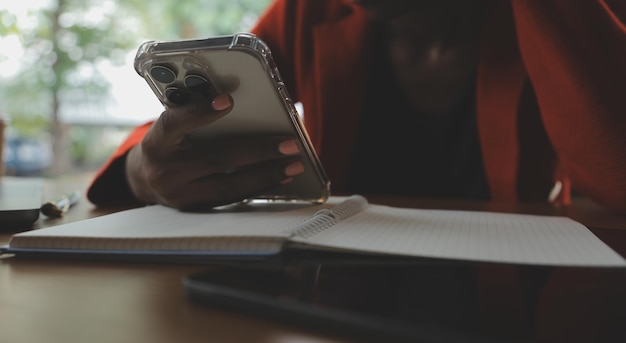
(163, 74)
(198, 84)
(176, 96)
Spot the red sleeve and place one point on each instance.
(287, 27)
(575, 56)
(276, 28)
(110, 187)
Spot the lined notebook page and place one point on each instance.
(466, 235)
(163, 228)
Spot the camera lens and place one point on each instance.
(163, 74)
(176, 95)
(198, 84)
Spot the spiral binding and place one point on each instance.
(352, 205)
(319, 222)
(326, 218)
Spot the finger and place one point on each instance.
(228, 155)
(170, 180)
(199, 111)
(222, 189)
(168, 133)
(224, 156)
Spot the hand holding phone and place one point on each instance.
(229, 132)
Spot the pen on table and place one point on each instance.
(57, 207)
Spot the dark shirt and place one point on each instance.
(403, 152)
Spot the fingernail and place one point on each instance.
(221, 102)
(286, 181)
(289, 147)
(294, 169)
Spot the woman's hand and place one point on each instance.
(166, 168)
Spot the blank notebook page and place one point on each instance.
(467, 235)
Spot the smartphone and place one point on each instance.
(402, 302)
(241, 65)
(20, 201)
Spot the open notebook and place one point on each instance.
(342, 224)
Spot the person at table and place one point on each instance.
(503, 100)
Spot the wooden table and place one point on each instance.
(78, 301)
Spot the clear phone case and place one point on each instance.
(242, 65)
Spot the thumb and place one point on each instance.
(172, 126)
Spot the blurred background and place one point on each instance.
(67, 82)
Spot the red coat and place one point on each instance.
(551, 93)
